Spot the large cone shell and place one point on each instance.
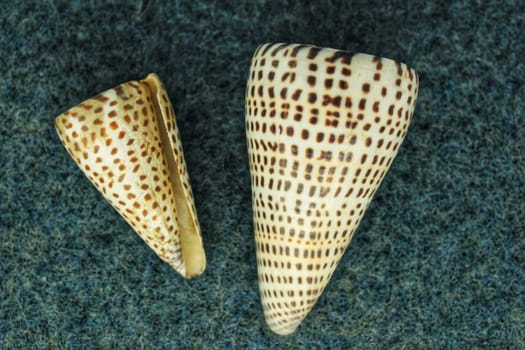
(127, 143)
(323, 127)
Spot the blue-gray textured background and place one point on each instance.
(438, 261)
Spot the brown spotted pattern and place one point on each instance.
(127, 143)
(323, 127)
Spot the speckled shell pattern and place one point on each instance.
(323, 127)
(127, 142)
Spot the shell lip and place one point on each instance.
(191, 240)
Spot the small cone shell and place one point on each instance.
(127, 143)
(323, 127)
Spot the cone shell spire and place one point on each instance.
(127, 143)
(323, 127)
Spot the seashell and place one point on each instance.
(323, 127)
(127, 143)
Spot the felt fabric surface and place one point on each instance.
(438, 261)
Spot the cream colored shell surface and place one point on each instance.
(127, 143)
(323, 127)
